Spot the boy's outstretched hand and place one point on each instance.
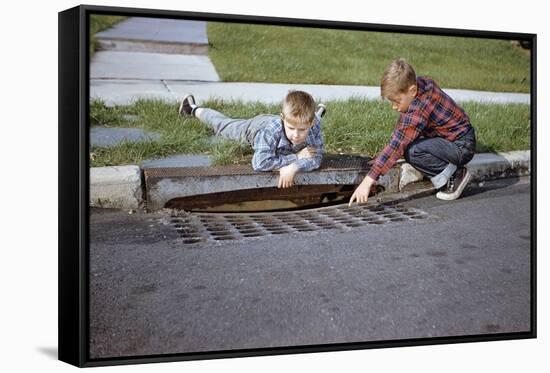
(286, 175)
(361, 194)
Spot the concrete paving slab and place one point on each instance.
(157, 29)
(151, 66)
(110, 136)
(117, 92)
(271, 93)
(489, 97)
(126, 92)
(150, 47)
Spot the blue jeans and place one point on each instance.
(243, 130)
(431, 156)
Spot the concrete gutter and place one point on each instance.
(123, 187)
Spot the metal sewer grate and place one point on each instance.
(201, 227)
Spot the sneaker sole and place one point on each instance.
(180, 110)
(459, 190)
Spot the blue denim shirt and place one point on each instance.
(272, 150)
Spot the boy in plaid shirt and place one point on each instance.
(433, 133)
(289, 142)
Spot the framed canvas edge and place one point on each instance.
(73, 105)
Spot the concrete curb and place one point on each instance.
(489, 166)
(162, 189)
(122, 186)
(116, 187)
(483, 167)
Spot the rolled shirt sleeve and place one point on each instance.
(272, 150)
(409, 127)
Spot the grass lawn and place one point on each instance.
(353, 127)
(259, 53)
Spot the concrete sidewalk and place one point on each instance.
(159, 30)
(124, 92)
(144, 67)
(153, 49)
(165, 59)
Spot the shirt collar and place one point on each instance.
(286, 142)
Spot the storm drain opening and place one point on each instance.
(270, 199)
(197, 227)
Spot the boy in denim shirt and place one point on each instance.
(433, 133)
(289, 142)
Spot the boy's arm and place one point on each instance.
(395, 149)
(408, 129)
(265, 153)
(401, 137)
(309, 164)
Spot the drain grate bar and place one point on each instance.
(200, 227)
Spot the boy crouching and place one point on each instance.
(433, 133)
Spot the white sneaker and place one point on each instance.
(455, 185)
(321, 110)
(187, 106)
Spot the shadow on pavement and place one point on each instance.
(478, 188)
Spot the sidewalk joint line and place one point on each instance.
(166, 86)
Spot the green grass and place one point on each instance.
(178, 135)
(258, 53)
(500, 127)
(352, 127)
(99, 23)
(365, 127)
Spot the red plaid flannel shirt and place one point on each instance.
(431, 114)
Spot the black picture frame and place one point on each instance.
(74, 93)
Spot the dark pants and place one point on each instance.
(431, 155)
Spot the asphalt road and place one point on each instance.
(463, 271)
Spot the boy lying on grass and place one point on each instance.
(289, 142)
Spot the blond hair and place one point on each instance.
(398, 77)
(298, 107)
